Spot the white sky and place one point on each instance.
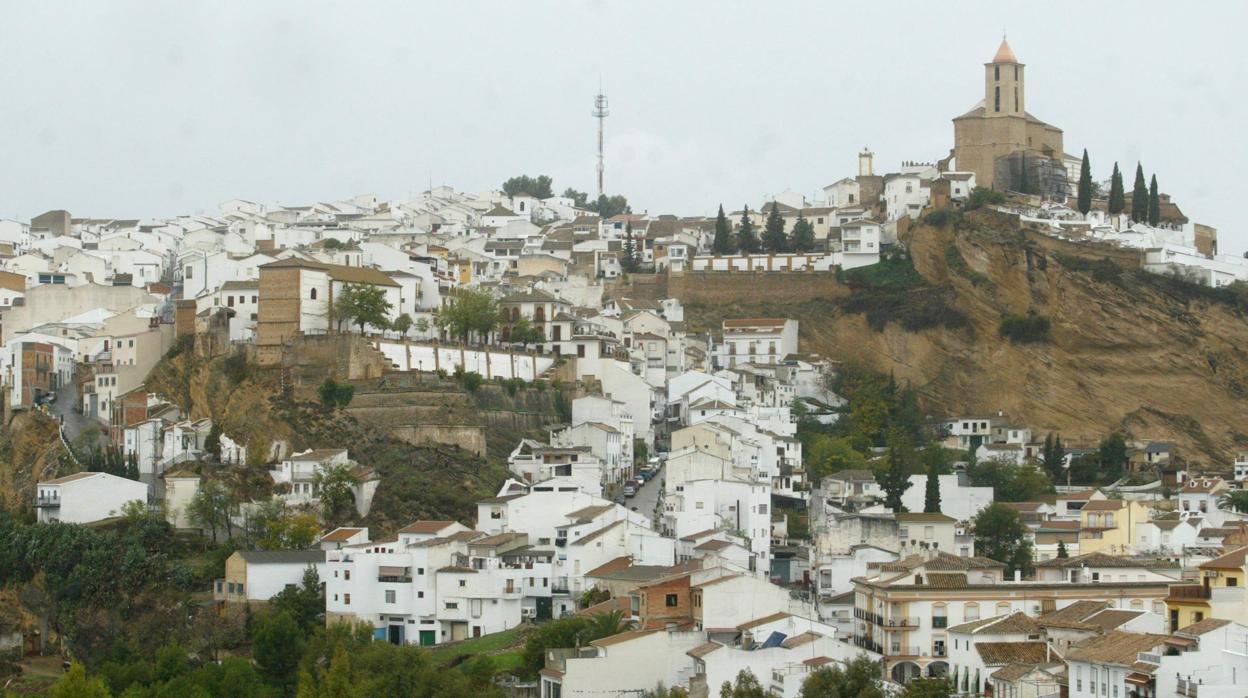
(134, 109)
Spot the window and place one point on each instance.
(389, 595)
(188, 273)
(463, 583)
(996, 72)
(996, 102)
(670, 601)
(1232, 581)
(346, 574)
(420, 594)
(346, 599)
(313, 296)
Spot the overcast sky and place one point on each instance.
(133, 109)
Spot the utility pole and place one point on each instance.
(600, 113)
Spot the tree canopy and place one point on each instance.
(538, 186)
(774, 238)
(362, 304)
(1117, 196)
(1001, 535)
(469, 312)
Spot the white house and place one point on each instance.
(86, 497)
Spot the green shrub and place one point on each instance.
(940, 217)
(236, 368)
(470, 381)
(983, 196)
(334, 394)
(1025, 329)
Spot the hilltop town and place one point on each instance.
(537, 444)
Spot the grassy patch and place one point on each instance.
(503, 648)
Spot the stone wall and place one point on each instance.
(466, 436)
(779, 287)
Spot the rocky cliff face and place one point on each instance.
(1127, 350)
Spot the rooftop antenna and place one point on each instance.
(600, 113)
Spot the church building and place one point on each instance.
(1006, 147)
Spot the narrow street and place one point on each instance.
(63, 410)
(647, 497)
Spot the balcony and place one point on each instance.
(863, 614)
(940, 651)
(1192, 592)
(867, 644)
(901, 622)
(559, 585)
(393, 579)
(47, 502)
(899, 650)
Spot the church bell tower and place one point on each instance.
(1003, 84)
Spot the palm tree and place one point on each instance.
(606, 624)
(1237, 500)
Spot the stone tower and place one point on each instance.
(994, 139)
(1003, 84)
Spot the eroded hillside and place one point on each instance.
(1156, 358)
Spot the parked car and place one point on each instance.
(630, 490)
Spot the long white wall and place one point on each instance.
(489, 363)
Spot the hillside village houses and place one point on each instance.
(678, 480)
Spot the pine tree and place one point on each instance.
(1117, 197)
(722, 244)
(1085, 185)
(774, 238)
(747, 241)
(803, 235)
(1154, 203)
(931, 496)
(1139, 197)
(1061, 551)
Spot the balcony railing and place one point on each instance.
(1189, 591)
(47, 501)
(862, 614)
(901, 622)
(897, 650)
(1188, 688)
(940, 651)
(394, 579)
(867, 644)
(559, 585)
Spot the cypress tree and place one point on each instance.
(747, 241)
(1061, 550)
(630, 250)
(1139, 196)
(722, 244)
(931, 496)
(774, 238)
(1117, 197)
(1154, 203)
(1085, 185)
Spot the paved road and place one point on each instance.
(63, 409)
(647, 498)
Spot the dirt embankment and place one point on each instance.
(1126, 351)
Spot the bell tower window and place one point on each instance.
(997, 98)
(996, 72)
